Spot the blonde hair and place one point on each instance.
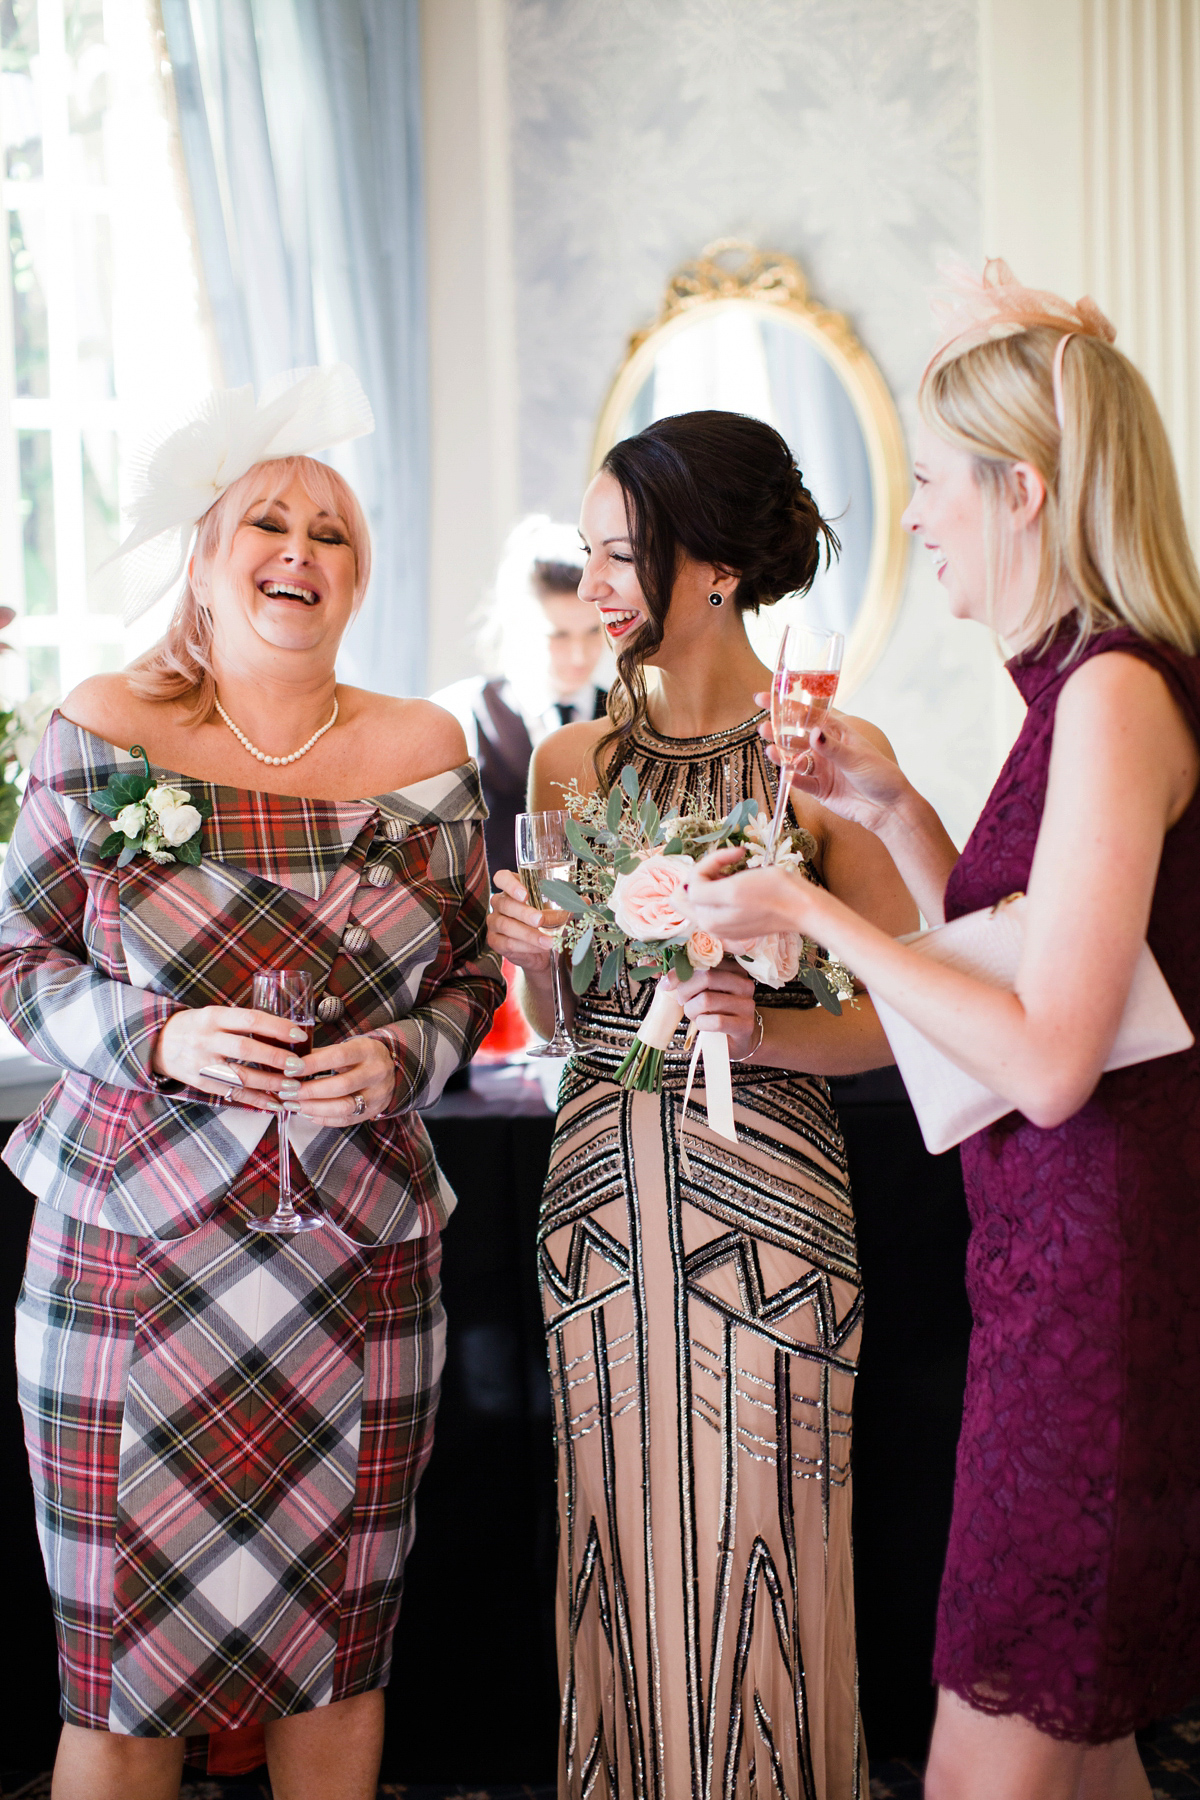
(1112, 522)
(180, 664)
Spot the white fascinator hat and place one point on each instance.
(177, 474)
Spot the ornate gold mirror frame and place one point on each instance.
(730, 274)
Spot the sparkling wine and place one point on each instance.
(532, 874)
(800, 702)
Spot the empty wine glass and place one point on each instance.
(802, 691)
(288, 993)
(543, 852)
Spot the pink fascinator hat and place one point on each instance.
(971, 310)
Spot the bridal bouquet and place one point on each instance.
(627, 910)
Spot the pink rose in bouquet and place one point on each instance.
(773, 960)
(648, 902)
(704, 951)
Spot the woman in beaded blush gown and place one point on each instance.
(1070, 1604)
(703, 1327)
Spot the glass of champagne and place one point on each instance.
(288, 993)
(542, 852)
(802, 692)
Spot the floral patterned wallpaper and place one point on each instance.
(844, 132)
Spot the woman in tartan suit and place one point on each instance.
(226, 1430)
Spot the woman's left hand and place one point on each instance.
(357, 1069)
(751, 903)
(720, 999)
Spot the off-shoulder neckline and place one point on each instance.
(59, 718)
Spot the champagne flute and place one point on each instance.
(802, 691)
(542, 853)
(288, 993)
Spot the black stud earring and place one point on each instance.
(715, 599)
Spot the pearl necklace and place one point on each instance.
(262, 756)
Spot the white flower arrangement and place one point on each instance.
(151, 818)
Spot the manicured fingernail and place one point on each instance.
(298, 1034)
(288, 1090)
(292, 1066)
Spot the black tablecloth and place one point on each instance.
(473, 1692)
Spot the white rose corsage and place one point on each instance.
(162, 822)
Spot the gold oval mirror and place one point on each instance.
(738, 331)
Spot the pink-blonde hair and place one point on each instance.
(179, 666)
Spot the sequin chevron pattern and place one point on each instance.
(703, 1333)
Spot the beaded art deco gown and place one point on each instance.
(703, 1332)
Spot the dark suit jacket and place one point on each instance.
(505, 748)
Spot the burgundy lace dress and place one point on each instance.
(1072, 1587)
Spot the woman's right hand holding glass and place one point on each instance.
(518, 931)
(210, 1048)
(848, 773)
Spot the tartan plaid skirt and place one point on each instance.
(225, 1435)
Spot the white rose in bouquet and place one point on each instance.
(130, 820)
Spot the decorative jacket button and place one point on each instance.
(331, 1006)
(395, 831)
(355, 937)
(380, 875)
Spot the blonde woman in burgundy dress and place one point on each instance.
(703, 1324)
(1070, 1605)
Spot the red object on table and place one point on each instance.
(510, 1034)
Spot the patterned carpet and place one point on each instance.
(1170, 1751)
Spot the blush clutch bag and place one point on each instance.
(950, 1104)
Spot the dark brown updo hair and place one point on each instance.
(720, 488)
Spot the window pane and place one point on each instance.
(88, 57)
(101, 524)
(18, 101)
(26, 238)
(37, 518)
(93, 299)
(45, 682)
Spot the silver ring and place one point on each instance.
(360, 1106)
(229, 1098)
(811, 760)
(220, 1072)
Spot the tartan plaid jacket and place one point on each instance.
(384, 900)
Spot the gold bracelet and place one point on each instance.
(756, 1046)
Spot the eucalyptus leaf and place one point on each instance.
(648, 814)
(816, 982)
(584, 945)
(681, 963)
(583, 974)
(562, 894)
(625, 860)
(611, 969)
(580, 845)
(615, 804)
(674, 848)
(638, 975)
(629, 781)
(127, 855)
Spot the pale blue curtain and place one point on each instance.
(300, 123)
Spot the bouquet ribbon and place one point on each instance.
(657, 1029)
